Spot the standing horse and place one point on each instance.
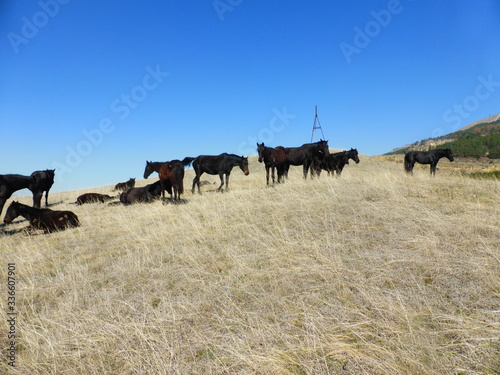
(274, 158)
(218, 164)
(331, 163)
(42, 182)
(171, 175)
(426, 157)
(9, 183)
(45, 219)
(305, 154)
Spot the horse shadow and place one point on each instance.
(174, 201)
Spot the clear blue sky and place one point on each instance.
(96, 88)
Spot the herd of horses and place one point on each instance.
(313, 157)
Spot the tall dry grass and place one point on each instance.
(373, 273)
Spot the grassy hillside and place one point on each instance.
(482, 140)
(373, 273)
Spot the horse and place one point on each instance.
(171, 175)
(143, 194)
(218, 164)
(340, 159)
(42, 182)
(331, 163)
(44, 219)
(305, 154)
(125, 185)
(92, 198)
(273, 158)
(10, 183)
(426, 157)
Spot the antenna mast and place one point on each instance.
(316, 126)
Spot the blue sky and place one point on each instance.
(96, 88)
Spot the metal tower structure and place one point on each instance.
(316, 126)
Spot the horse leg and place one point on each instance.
(305, 168)
(37, 198)
(267, 175)
(196, 181)
(433, 169)
(2, 203)
(272, 175)
(227, 180)
(221, 176)
(47, 198)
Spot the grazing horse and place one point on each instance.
(42, 182)
(92, 198)
(218, 164)
(274, 158)
(143, 194)
(171, 174)
(125, 185)
(426, 157)
(305, 154)
(9, 183)
(45, 219)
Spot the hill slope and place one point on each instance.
(479, 139)
(373, 273)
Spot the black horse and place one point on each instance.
(9, 183)
(331, 163)
(426, 157)
(305, 154)
(42, 182)
(273, 158)
(220, 164)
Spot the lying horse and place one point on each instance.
(92, 198)
(44, 219)
(42, 182)
(218, 164)
(273, 158)
(125, 185)
(171, 175)
(426, 157)
(143, 194)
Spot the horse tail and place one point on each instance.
(187, 161)
(407, 163)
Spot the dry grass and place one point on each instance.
(373, 273)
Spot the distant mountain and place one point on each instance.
(478, 139)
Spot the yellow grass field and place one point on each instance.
(373, 273)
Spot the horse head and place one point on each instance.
(260, 150)
(149, 169)
(244, 165)
(449, 154)
(323, 147)
(353, 154)
(12, 212)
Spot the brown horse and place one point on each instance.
(125, 185)
(273, 158)
(44, 219)
(171, 174)
(92, 198)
